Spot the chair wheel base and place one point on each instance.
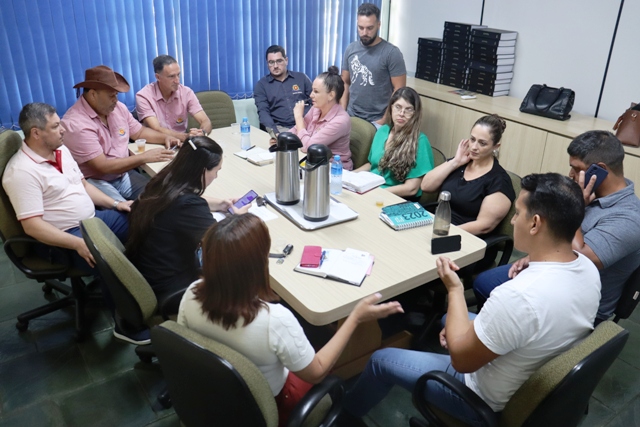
(48, 290)
(165, 400)
(22, 326)
(145, 358)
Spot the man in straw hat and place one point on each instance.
(98, 128)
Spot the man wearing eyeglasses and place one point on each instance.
(277, 93)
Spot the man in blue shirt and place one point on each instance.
(277, 93)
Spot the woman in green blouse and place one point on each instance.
(400, 153)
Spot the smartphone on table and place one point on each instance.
(245, 200)
(596, 170)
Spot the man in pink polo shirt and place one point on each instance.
(164, 105)
(98, 128)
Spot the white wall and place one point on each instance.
(560, 43)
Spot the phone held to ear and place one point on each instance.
(245, 200)
(599, 172)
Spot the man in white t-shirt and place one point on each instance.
(545, 310)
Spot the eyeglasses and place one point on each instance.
(277, 61)
(408, 112)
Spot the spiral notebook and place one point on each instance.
(406, 215)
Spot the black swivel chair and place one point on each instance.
(21, 250)
(629, 298)
(556, 395)
(211, 384)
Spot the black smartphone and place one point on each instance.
(596, 170)
(245, 200)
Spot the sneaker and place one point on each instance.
(138, 338)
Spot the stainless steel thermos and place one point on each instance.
(316, 202)
(287, 168)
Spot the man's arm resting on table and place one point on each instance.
(468, 353)
(153, 123)
(155, 137)
(46, 233)
(204, 122)
(102, 200)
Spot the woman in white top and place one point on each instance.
(234, 304)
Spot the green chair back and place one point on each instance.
(428, 199)
(361, 137)
(10, 143)
(219, 108)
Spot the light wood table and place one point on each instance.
(403, 259)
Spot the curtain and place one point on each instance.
(46, 45)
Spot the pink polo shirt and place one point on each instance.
(172, 113)
(333, 131)
(37, 188)
(87, 137)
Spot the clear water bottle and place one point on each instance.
(245, 134)
(336, 175)
(443, 215)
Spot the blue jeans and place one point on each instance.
(488, 280)
(127, 187)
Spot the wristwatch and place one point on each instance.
(115, 204)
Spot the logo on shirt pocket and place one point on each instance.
(295, 87)
(121, 132)
(179, 120)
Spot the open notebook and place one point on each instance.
(257, 156)
(348, 266)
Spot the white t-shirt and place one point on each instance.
(545, 310)
(274, 341)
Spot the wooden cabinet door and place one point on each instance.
(437, 123)
(522, 149)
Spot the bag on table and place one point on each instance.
(550, 102)
(628, 126)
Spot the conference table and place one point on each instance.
(402, 259)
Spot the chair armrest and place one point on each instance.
(53, 271)
(465, 393)
(496, 239)
(169, 305)
(332, 386)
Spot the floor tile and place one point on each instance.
(628, 416)
(152, 381)
(12, 343)
(171, 420)
(620, 384)
(41, 414)
(36, 376)
(21, 297)
(116, 402)
(598, 415)
(631, 351)
(107, 356)
(394, 411)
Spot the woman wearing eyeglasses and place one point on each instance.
(170, 217)
(400, 153)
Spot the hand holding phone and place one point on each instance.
(245, 200)
(600, 174)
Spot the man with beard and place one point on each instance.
(277, 93)
(372, 69)
(98, 128)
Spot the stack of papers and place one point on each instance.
(349, 266)
(361, 182)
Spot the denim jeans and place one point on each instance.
(488, 280)
(394, 366)
(127, 187)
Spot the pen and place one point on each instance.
(253, 146)
(322, 258)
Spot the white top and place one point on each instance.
(37, 188)
(547, 309)
(274, 341)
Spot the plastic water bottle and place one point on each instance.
(245, 134)
(443, 215)
(336, 175)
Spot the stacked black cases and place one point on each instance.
(492, 60)
(429, 59)
(455, 53)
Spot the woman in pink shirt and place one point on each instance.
(326, 123)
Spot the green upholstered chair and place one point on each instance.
(361, 137)
(557, 394)
(21, 250)
(429, 199)
(137, 306)
(212, 384)
(219, 108)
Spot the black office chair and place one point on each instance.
(21, 250)
(556, 395)
(211, 384)
(629, 298)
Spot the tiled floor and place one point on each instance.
(46, 379)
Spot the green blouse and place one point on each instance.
(424, 158)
